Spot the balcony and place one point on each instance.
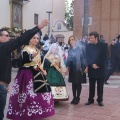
(21, 1)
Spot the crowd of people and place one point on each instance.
(40, 83)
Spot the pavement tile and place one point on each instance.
(116, 113)
(66, 117)
(98, 117)
(67, 111)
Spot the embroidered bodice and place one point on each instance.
(34, 61)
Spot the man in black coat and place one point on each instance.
(6, 47)
(96, 52)
(115, 60)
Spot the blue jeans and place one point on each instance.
(3, 96)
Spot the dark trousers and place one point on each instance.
(3, 96)
(100, 84)
(76, 89)
(84, 78)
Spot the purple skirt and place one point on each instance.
(24, 104)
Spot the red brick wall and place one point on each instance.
(78, 14)
(105, 17)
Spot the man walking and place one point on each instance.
(6, 47)
(96, 52)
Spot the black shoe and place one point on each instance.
(88, 103)
(106, 83)
(74, 99)
(56, 102)
(100, 104)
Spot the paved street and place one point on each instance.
(66, 111)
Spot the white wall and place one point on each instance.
(4, 13)
(29, 9)
(32, 7)
(59, 10)
(41, 7)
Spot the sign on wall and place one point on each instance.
(17, 15)
(89, 21)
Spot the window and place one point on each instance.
(58, 26)
(36, 19)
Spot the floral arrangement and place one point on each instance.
(13, 31)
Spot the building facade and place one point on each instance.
(27, 14)
(104, 17)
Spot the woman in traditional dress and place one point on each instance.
(76, 66)
(31, 97)
(54, 65)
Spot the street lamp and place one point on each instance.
(49, 12)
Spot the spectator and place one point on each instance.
(96, 52)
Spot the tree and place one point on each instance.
(85, 22)
(69, 15)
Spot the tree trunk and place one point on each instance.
(85, 21)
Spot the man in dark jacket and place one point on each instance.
(96, 52)
(115, 60)
(6, 47)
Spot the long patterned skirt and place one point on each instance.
(24, 103)
(58, 86)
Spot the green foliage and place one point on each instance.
(69, 15)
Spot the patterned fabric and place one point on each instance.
(56, 81)
(24, 104)
(59, 93)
